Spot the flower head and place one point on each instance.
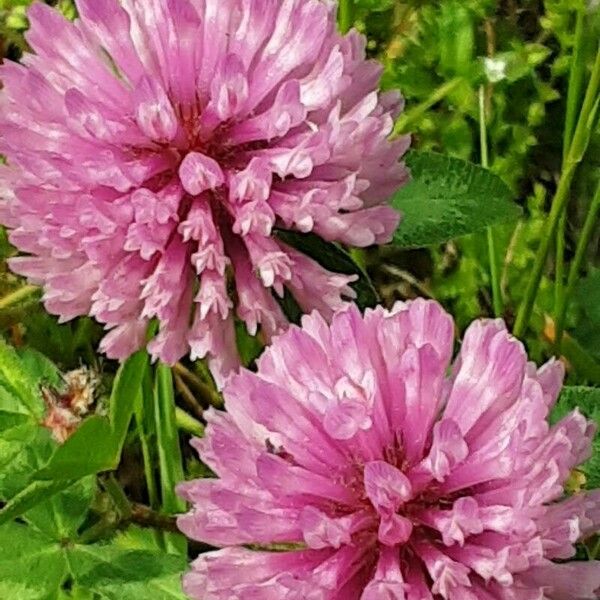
(153, 147)
(389, 472)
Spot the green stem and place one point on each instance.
(576, 78)
(576, 151)
(100, 530)
(187, 423)
(576, 75)
(346, 15)
(170, 460)
(494, 275)
(559, 275)
(139, 514)
(187, 397)
(145, 407)
(118, 496)
(582, 245)
(407, 119)
(207, 393)
(18, 295)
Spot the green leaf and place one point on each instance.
(457, 38)
(30, 496)
(30, 564)
(136, 538)
(76, 593)
(54, 508)
(334, 259)
(16, 433)
(587, 400)
(61, 515)
(119, 574)
(78, 456)
(18, 386)
(248, 346)
(126, 388)
(447, 198)
(35, 567)
(41, 369)
(27, 458)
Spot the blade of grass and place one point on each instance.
(494, 275)
(407, 119)
(146, 430)
(126, 388)
(18, 295)
(574, 92)
(582, 245)
(144, 417)
(345, 15)
(576, 152)
(170, 460)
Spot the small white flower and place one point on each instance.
(495, 69)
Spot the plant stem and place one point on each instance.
(187, 423)
(107, 525)
(144, 418)
(494, 275)
(576, 77)
(169, 451)
(575, 155)
(346, 15)
(207, 394)
(407, 119)
(145, 408)
(576, 74)
(582, 245)
(190, 402)
(146, 517)
(139, 514)
(18, 295)
(118, 496)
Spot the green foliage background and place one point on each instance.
(96, 521)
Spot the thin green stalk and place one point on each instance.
(207, 393)
(346, 15)
(187, 423)
(139, 514)
(576, 152)
(170, 460)
(582, 245)
(18, 295)
(494, 275)
(559, 273)
(100, 530)
(407, 119)
(191, 404)
(118, 496)
(576, 79)
(576, 75)
(144, 418)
